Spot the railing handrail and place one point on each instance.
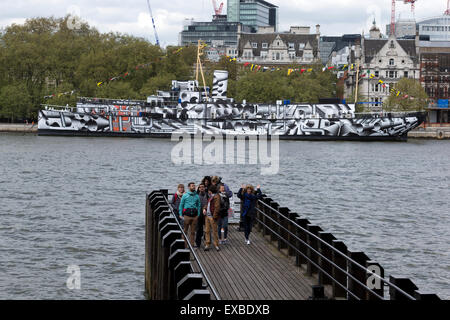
(347, 258)
(197, 260)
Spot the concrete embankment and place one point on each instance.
(18, 128)
(439, 133)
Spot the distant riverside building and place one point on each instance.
(388, 60)
(253, 13)
(220, 35)
(435, 78)
(437, 29)
(403, 28)
(298, 46)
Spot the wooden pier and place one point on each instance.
(288, 259)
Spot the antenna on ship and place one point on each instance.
(153, 21)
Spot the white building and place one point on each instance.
(298, 46)
(388, 60)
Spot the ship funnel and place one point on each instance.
(220, 84)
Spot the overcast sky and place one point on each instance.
(336, 17)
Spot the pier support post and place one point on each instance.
(360, 274)
(373, 282)
(314, 244)
(339, 276)
(302, 244)
(292, 229)
(275, 217)
(403, 283)
(283, 220)
(327, 253)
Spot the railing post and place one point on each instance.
(373, 282)
(302, 245)
(339, 276)
(314, 244)
(403, 283)
(358, 273)
(275, 217)
(292, 229)
(284, 223)
(327, 253)
(266, 221)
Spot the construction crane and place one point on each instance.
(153, 21)
(413, 3)
(447, 12)
(217, 10)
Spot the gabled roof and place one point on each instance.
(373, 46)
(310, 41)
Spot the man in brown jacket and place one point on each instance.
(212, 216)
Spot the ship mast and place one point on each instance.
(200, 48)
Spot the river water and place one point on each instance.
(80, 201)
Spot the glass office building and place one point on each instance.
(217, 33)
(253, 13)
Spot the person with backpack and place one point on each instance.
(176, 199)
(223, 220)
(189, 210)
(249, 200)
(212, 214)
(217, 181)
(204, 197)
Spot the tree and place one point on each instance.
(409, 95)
(15, 102)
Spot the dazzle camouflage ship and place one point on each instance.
(189, 108)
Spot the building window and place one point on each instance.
(406, 74)
(301, 45)
(264, 55)
(391, 62)
(265, 45)
(255, 45)
(377, 74)
(291, 46)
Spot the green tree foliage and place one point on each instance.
(412, 97)
(45, 57)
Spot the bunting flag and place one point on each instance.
(59, 95)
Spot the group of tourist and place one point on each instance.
(204, 211)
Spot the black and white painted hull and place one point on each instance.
(160, 117)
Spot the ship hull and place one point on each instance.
(67, 133)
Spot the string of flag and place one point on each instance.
(118, 77)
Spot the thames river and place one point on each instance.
(80, 201)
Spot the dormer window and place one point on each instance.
(291, 46)
(265, 45)
(301, 45)
(391, 62)
(255, 45)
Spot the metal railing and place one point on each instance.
(323, 257)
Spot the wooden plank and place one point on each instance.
(255, 272)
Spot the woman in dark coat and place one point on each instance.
(249, 200)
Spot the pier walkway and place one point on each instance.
(289, 258)
(256, 272)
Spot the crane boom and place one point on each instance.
(153, 22)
